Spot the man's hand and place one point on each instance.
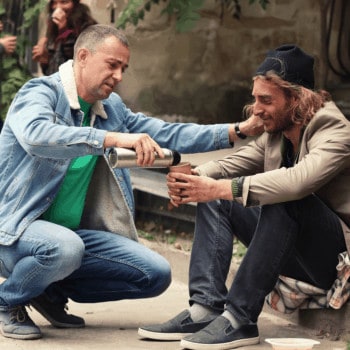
(184, 188)
(59, 17)
(145, 147)
(253, 126)
(39, 52)
(9, 43)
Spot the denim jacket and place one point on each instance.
(43, 132)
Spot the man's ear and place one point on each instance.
(82, 56)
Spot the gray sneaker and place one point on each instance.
(174, 329)
(220, 335)
(15, 323)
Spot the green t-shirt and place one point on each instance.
(67, 207)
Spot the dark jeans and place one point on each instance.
(299, 239)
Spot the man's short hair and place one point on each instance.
(94, 35)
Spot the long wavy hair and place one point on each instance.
(79, 19)
(304, 103)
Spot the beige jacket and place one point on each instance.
(323, 167)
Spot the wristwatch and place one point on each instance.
(238, 132)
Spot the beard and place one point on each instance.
(280, 121)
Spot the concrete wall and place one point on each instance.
(206, 73)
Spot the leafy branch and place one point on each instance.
(14, 70)
(187, 12)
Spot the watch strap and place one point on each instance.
(238, 132)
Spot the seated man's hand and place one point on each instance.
(183, 188)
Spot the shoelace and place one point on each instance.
(18, 314)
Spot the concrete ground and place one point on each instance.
(114, 325)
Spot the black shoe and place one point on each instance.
(174, 329)
(56, 313)
(15, 323)
(220, 335)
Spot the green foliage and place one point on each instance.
(146, 235)
(131, 13)
(14, 72)
(240, 250)
(187, 12)
(263, 3)
(14, 76)
(32, 12)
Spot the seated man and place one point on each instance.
(285, 195)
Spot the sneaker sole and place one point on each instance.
(22, 336)
(161, 336)
(54, 322)
(222, 346)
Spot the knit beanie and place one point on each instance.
(290, 63)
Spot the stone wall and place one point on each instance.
(206, 73)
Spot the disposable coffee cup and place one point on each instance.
(183, 167)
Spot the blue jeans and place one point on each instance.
(300, 239)
(85, 266)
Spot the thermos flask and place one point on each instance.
(126, 158)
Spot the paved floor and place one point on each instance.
(114, 325)
(111, 326)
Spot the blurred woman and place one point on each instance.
(66, 20)
(7, 47)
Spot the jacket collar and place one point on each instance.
(67, 77)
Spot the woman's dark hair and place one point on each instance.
(79, 19)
